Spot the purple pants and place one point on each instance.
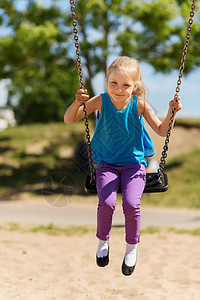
(132, 180)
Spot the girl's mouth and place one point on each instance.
(118, 95)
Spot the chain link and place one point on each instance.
(80, 73)
(165, 148)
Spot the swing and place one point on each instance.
(155, 182)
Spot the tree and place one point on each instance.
(151, 31)
(37, 54)
(34, 57)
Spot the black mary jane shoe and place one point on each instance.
(126, 270)
(103, 261)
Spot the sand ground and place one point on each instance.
(35, 266)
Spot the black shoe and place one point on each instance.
(126, 270)
(103, 261)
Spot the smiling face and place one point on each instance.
(124, 78)
(120, 87)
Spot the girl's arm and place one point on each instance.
(75, 111)
(159, 127)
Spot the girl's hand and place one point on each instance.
(81, 96)
(175, 104)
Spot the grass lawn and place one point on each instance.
(54, 230)
(188, 122)
(30, 154)
(184, 183)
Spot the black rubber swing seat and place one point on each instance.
(153, 185)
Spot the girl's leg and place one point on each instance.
(107, 178)
(133, 180)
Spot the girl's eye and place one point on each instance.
(127, 85)
(114, 82)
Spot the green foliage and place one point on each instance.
(36, 54)
(151, 31)
(156, 31)
(34, 57)
(43, 99)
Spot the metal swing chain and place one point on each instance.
(80, 73)
(165, 148)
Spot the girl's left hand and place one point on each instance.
(175, 104)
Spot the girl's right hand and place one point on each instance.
(81, 96)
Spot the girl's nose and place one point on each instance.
(119, 89)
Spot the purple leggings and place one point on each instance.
(132, 180)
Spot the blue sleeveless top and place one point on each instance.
(120, 137)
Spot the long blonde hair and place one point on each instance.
(130, 65)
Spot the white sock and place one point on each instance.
(130, 255)
(102, 250)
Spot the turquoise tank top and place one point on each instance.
(120, 137)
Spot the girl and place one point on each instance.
(120, 145)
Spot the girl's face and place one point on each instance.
(120, 86)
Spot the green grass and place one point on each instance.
(70, 231)
(30, 154)
(184, 183)
(50, 229)
(195, 231)
(188, 122)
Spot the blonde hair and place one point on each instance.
(130, 65)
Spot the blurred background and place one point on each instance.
(38, 81)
